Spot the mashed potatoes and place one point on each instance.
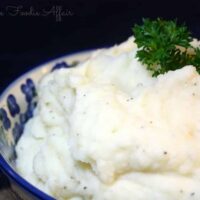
(107, 130)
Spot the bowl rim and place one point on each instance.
(4, 166)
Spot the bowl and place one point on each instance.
(17, 103)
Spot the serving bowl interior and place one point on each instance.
(17, 103)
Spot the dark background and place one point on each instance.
(26, 41)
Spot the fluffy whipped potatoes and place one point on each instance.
(107, 130)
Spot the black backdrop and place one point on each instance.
(32, 32)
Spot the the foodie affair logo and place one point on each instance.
(56, 11)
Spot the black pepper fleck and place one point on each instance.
(84, 187)
(165, 152)
(140, 84)
(192, 194)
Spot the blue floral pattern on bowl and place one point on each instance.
(17, 106)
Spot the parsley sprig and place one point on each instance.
(164, 46)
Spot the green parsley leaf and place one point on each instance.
(163, 46)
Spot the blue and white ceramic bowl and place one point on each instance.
(17, 103)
